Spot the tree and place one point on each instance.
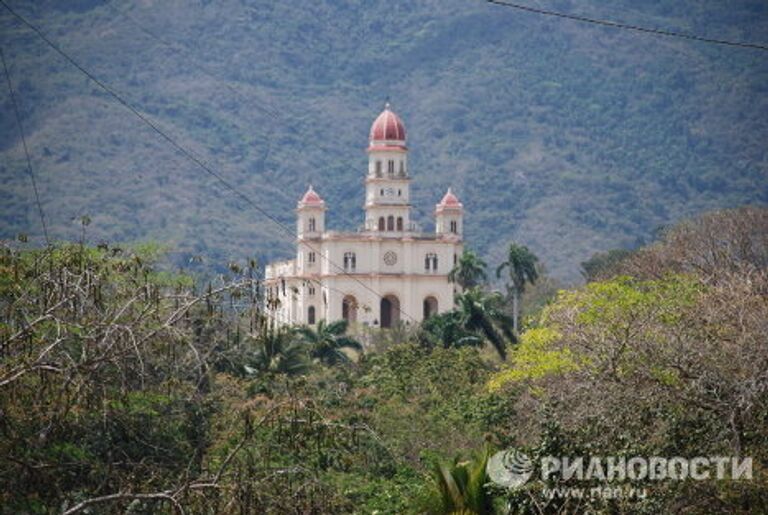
(278, 351)
(667, 361)
(459, 487)
(447, 330)
(522, 264)
(469, 271)
(482, 313)
(603, 264)
(327, 341)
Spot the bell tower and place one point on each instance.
(310, 215)
(387, 184)
(449, 216)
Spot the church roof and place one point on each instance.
(311, 198)
(450, 201)
(387, 127)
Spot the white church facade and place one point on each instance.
(384, 273)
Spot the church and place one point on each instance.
(385, 272)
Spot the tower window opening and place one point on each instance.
(430, 262)
(378, 168)
(311, 257)
(391, 168)
(350, 261)
(399, 223)
(311, 291)
(311, 315)
(382, 224)
(312, 225)
(402, 168)
(390, 223)
(454, 227)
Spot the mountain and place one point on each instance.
(568, 137)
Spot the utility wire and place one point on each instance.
(636, 28)
(26, 149)
(183, 150)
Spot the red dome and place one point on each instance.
(387, 127)
(311, 197)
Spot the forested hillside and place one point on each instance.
(566, 137)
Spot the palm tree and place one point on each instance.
(522, 270)
(277, 352)
(459, 487)
(469, 271)
(483, 314)
(327, 341)
(447, 329)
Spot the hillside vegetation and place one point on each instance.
(566, 137)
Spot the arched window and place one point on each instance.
(430, 307)
(382, 224)
(390, 223)
(430, 262)
(378, 168)
(350, 262)
(454, 226)
(312, 224)
(399, 223)
(311, 315)
(391, 168)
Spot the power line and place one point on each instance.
(183, 150)
(618, 25)
(26, 150)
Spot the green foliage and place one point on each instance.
(277, 351)
(522, 265)
(460, 487)
(328, 341)
(469, 271)
(447, 330)
(483, 314)
(535, 358)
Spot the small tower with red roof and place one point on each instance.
(449, 216)
(310, 215)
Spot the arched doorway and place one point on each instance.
(349, 309)
(390, 311)
(430, 307)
